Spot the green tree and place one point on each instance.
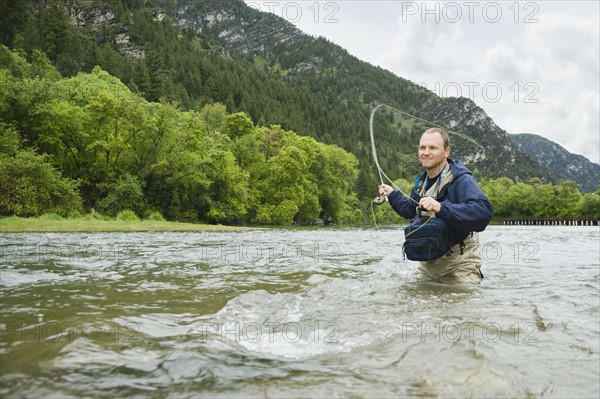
(31, 186)
(57, 37)
(228, 190)
(237, 125)
(14, 62)
(127, 153)
(179, 187)
(497, 192)
(544, 204)
(124, 194)
(24, 90)
(590, 205)
(521, 198)
(60, 131)
(336, 172)
(567, 198)
(282, 189)
(10, 139)
(12, 18)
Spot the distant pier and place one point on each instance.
(533, 221)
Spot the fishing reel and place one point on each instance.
(380, 199)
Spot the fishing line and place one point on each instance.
(406, 235)
(428, 122)
(373, 111)
(380, 171)
(381, 198)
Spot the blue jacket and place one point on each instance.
(464, 207)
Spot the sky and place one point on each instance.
(533, 66)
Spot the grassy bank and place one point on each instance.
(49, 225)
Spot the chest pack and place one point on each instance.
(427, 237)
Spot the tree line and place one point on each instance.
(87, 142)
(307, 85)
(522, 199)
(538, 200)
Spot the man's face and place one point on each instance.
(432, 153)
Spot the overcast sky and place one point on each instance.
(533, 66)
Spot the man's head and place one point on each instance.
(434, 149)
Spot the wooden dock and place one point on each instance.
(535, 221)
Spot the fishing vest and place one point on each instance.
(434, 191)
(438, 191)
(428, 237)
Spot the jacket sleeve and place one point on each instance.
(466, 207)
(403, 205)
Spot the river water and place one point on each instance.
(323, 312)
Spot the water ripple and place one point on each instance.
(328, 312)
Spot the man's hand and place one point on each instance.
(429, 204)
(384, 189)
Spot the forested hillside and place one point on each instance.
(212, 111)
(349, 88)
(200, 52)
(114, 150)
(557, 159)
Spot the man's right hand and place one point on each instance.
(384, 189)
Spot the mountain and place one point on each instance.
(195, 52)
(349, 86)
(560, 161)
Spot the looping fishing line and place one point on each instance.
(374, 149)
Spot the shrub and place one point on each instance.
(95, 216)
(128, 216)
(156, 217)
(126, 193)
(74, 214)
(31, 186)
(51, 216)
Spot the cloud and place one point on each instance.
(538, 77)
(532, 66)
(559, 56)
(421, 49)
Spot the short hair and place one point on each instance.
(442, 133)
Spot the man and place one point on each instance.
(462, 205)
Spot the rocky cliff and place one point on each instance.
(560, 161)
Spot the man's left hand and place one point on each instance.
(430, 204)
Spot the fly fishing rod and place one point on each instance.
(381, 198)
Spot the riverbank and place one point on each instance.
(82, 225)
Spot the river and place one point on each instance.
(315, 312)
